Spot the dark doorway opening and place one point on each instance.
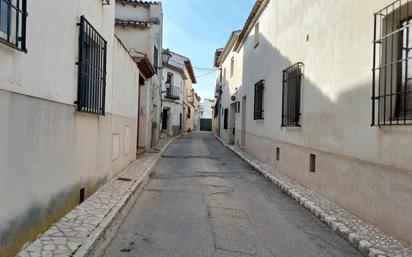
(164, 119)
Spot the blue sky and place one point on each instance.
(196, 28)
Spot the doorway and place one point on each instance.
(165, 116)
(243, 131)
(232, 123)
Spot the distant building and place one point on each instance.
(178, 75)
(139, 24)
(206, 107)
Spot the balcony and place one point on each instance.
(172, 92)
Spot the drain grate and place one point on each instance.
(124, 179)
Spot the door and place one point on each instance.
(243, 131)
(232, 122)
(165, 118)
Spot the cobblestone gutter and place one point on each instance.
(368, 239)
(78, 233)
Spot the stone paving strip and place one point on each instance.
(78, 232)
(368, 239)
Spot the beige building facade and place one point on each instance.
(63, 131)
(139, 25)
(304, 85)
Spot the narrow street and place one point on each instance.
(202, 200)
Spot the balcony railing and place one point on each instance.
(172, 92)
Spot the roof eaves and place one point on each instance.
(190, 71)
(254, 14)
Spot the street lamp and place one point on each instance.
(166, 55)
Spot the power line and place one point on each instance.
(205, 74)
(202, 68)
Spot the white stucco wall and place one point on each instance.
(48, 150)
(207, 109)
(363, 168)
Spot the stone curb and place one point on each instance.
(84, 247)
(365, 247)
(87, 248)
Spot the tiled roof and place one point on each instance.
(141, 24)
(138, 2)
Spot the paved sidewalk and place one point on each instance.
(77, 233)
(367, 238)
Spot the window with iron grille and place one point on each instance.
(259, 98)
(392, 68)
(291, 90)
(237, 110)
(225, 118)
(13, 16)
(156, 58)
(216, 109)
(91, 90)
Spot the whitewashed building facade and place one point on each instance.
(68, 96)
(307, 98)
(178, 76)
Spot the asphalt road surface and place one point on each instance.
(202, 200)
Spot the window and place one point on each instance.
(13, 15)
(225, 119)
(258, 104)
(91, 90)
(216, 109)
(169, 81)
(392, 68)
(257, 34)
(237, 109)
(188, 112)
(156, 58)
(292, 81)
(106, 2)
(224, 75)
(232, 66)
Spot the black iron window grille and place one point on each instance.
(91, 90)
(291, 91)
(392, 67)
(216, 109)
(225, 118)
(13, 16)
(259, 98)
(237, 108)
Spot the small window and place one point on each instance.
(292, 80)
(13, 15)
(156, 58)
(224, 75)
(257, 34)
(188, 112)
(232, 66)
(225, 118)
(106, 2)
(258, 104)
(91, 88)
(392, 70)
